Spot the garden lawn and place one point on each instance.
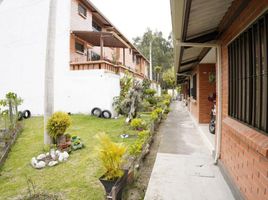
(75, 179)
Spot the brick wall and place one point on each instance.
(205, 89)
(244, 151)
(200, 109)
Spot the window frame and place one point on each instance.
(96, 29)
(248, 76)
(80, 5)
(78, 50)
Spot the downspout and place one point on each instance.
(219, 106)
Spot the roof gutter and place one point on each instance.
(177, 8)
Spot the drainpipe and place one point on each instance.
(219, 106)
(219, 92)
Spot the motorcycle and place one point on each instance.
(212, 123)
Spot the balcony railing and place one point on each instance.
(104, 65)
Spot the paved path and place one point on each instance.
(184, 168)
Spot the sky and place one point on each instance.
(133, 17)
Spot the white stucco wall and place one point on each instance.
(22, 50)
(22, 54)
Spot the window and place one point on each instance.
(96, 27)
(138, 61)
(82, 10)
(248, 91)
(133, 58)
(193, 88)
(79, 47)
(94, 56)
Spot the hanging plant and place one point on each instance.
(212, 77)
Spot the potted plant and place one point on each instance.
(111, 157)
(56, 127)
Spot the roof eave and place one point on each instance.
(177, 17)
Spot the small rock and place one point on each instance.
(65, 155)
(41, 156)
(47, 154)
(33, 162)
(40, 165)
(52, 163)
(61, 158)
(58, 153)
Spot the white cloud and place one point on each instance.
(133, 17)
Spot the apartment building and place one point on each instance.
(91, 55)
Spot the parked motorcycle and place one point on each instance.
(212, 123)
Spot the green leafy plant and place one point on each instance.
(150, 92)
(111, 156)
(138, 124)
(156, 113)
(9, 109)
(58, 123)
(212, 77)
(136, 148)
(154, 116)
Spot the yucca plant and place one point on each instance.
(111, 156)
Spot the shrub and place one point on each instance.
(167, 110)
(136, 148)
(58, 123)
(150, 92)
(156, 113)
(158, 110)
(111, 156)
(138, 124)
(152, 100)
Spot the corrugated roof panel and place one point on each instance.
(191, 53)
(206, 15)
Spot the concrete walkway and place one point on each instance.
(184, 168)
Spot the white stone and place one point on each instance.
(33, 162)
(52, 163)
(65, 155)
(40, 165)
(41, 156)
(58, 153)
(61, 158)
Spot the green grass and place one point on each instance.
(75, 179)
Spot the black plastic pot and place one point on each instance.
(119, 183)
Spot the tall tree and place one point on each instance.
(162, 49)
(169, 80)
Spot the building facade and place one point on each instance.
(90, 55)
(237, 30)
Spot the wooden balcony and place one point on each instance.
(104, 65)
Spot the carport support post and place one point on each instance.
(49, 68)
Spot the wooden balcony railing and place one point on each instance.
(105, 65)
